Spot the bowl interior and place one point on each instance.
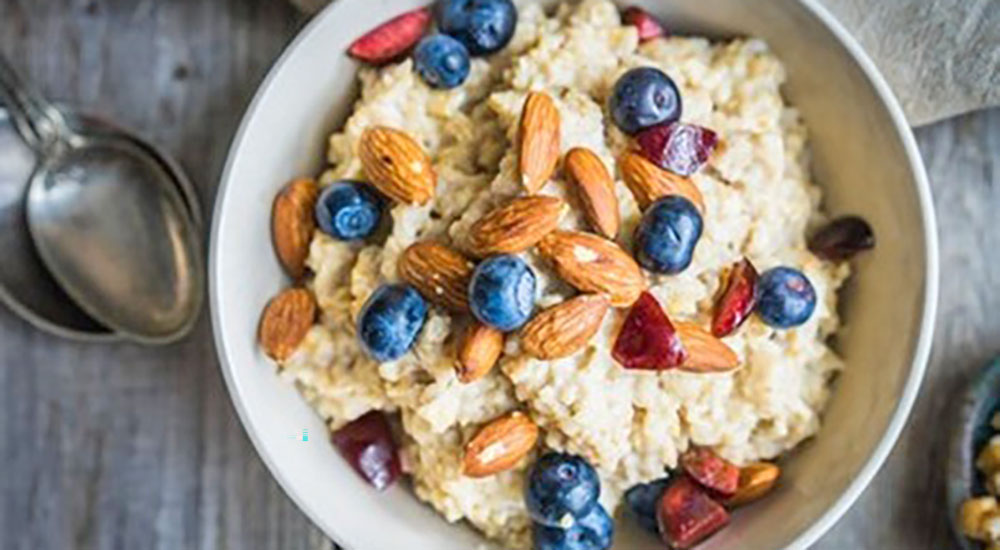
(863, 157)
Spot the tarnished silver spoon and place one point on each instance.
(107, 218)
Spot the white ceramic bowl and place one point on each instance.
(864, 157)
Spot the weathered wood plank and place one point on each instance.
(114, 447)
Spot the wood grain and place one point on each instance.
(124, 447)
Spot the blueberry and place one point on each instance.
(644, 97)
(642, 499)
(441, 61)
(561, 487)
(502, 292)
(666, 236)
(592, 531)
(785, 297)
(483, 26)
(348, 210)
(390, 321)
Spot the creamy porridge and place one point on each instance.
(759, 203)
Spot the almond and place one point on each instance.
(478, 351)
(396, 165)
(706, 353)
(539, 140)
(595, 189)
(756, 480)
(438, 272)
(649, 182)
(293, 222)
(499, 445)
(594, 264)
(515, 226)
(286, 321)
(564, 329)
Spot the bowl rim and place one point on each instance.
(918, 363)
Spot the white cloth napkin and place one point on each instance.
(941, 57)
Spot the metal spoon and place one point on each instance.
(108, 219)
(25, 284)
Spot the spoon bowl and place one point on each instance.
(26, 286)
(111, 219)
(110, 224)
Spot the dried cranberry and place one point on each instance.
(842, 238)
(678, 147)
(737, 301)
(711, 471)
(647, 339)
(648, 26)
(392, 38)
(368, 445)
(687, 515)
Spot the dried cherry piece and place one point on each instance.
(842, 238)
(392, 38)
(678, 147)
(367, 444)
(711, 471)
(737, 301)
(647, 339)
(649, 27)
(687, 514)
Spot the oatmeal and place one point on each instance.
(757, 203)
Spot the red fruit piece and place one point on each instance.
(367, 444)
(687, 515)
(647, 339)
(392, 38)
(678, 147)
(648, 26)
(711, 470)
(842, 238)
(736, 302)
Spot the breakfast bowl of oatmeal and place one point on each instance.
(573, 275)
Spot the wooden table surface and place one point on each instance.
(125, 447)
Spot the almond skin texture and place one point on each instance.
(515, 226)
(706, 353)
(499, 445)
(649, 182)
(478, 351)
(539, 140)
(564, 329)
(594, 264)
(293, 221)
(595, 190)
(756, 480)
(286, 321)
(439, 273)
(396, 165)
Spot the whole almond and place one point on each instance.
(706, 353)
(564, 329)
(293, 221)
(478, 351)
(441, 274)
(649, 182)
(515, 226)
(539, 140)
(396, 165)
(756, 480)
(286, 321)
(499, 445)
(595, 190)
(594, 264)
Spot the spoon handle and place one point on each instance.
(40, 123)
